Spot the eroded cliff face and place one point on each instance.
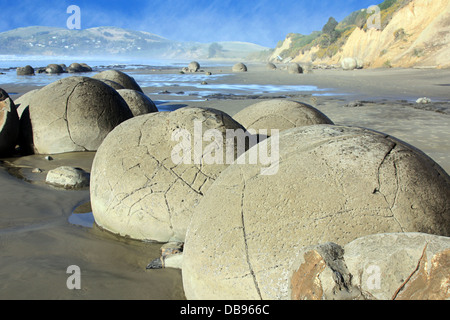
(418, 35)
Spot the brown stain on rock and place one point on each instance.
(428, 285)
(305, 282)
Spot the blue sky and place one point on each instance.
(264, 22)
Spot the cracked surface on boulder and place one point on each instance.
(74, 114)
(136, 188)
(334, 184)
(398, 266)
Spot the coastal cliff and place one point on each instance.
(411, 33)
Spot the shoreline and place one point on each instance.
(38, 242)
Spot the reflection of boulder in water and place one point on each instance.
(333, 184)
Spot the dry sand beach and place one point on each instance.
(41, 236)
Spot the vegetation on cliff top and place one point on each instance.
(334, 35)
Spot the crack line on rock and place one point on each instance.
(252, 272)
(378, 189)
(67, 119)
(178, 176)
(410, 276)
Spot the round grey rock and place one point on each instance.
(138, 102)
(349, 63)
(77, 67)
(139, 189)
(239, 67)
(25, 71)
(68, 178)
(120, 77)
(54, 69)
(279, 114)
(194, 66)
(294, 68)
(74, 114)
(333, 184)
(271, 66)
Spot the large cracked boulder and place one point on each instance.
(144, 184)
(74, 114)
(9, 124)
(138, 102)
(333, 184)
(279, 114)
(397, 266)
(120, 77)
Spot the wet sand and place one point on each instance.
(38, 237)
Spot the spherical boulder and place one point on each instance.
(239, 67)
(74, 114)
(138, 102)
(333, 184)
(279, 114)
(152, 171)
(25, 71)
(78, 67)
(68, 178)
(194, 66)
(9, 124)
(54, 69)
(271, 66)
(113, 84)
(120, 77)
(349, 63)
(294, 68)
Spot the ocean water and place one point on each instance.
(188, 86)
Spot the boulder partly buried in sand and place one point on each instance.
(138, 102)
(120, 77)
(140, 189)
(194, 66)
(294, 68)
(333, 184)
(9, 124)
(279, 114)
(396, 266)
(239, 67)
(74, 114)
